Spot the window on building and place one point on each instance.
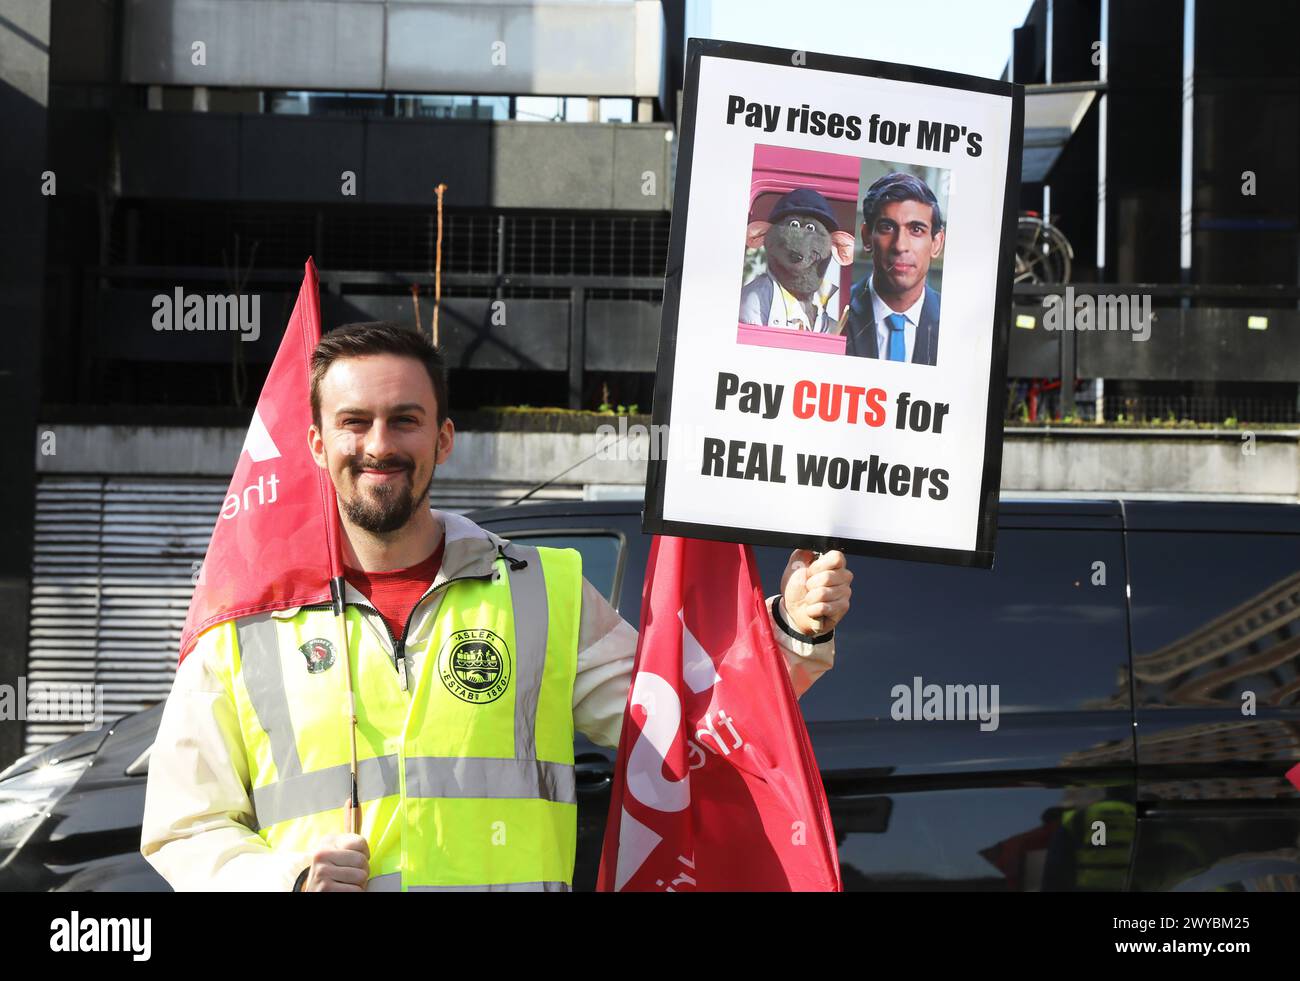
(539, 108)
(616, 111)
(572, 109)
(295, 103)
(411, 105)
(452, 106)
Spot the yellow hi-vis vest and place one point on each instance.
(466, 782)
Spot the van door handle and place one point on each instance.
(593, 771)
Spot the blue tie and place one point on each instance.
(897, 344)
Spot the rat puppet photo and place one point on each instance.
(801, 237)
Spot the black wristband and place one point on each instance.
(780, 622)
(301, 880)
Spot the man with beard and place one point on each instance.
(893, 313)
(801, 238)
(474, 660)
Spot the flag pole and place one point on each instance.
(437, 266)
(337, 594)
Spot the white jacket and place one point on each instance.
(198, 815)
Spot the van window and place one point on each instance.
(1046, 625)
(1215, 614)
(600, 554)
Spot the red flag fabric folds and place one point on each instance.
(275, 543)
(716, 787)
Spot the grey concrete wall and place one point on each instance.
(550, 48)
(618, 167)
(1262, 466)
(179, 451)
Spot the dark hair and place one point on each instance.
(899, 187)
(377, 337)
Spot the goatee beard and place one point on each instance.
(389, 510)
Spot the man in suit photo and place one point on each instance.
(893, 313)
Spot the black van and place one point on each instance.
(1113, 706)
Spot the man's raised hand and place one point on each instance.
(815, 592)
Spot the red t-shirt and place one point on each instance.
(394, 593)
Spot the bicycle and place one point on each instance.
(1043, 253)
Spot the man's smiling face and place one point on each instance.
(380, 439)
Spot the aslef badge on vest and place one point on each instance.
(319, 653)
(474, 665)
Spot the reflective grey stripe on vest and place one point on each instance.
(324, 790)
(532, 625)
(259, 653)
(426, 776)
(479, 776)
(392, 882)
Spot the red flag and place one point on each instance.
(716, 786)
(276, 539)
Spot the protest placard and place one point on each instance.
(832, 360)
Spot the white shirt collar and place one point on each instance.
(881, 309)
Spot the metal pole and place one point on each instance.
(577, 344)
(1185, 175)
(1103, 75)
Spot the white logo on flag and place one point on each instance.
(645, 777)
(697, 667)
(635, 843)
(258, 443)
(663, 719)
